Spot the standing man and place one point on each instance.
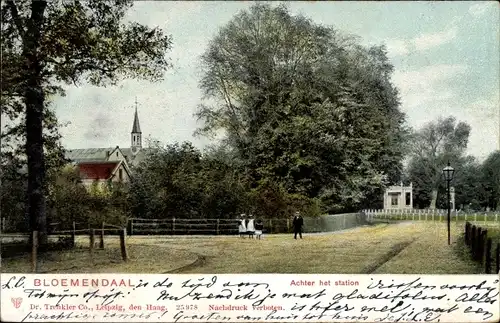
(298, 222)
(259, 227)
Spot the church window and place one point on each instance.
(120, 174)
(116, 154)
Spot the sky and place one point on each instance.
(445, 54)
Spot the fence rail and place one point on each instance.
(432, 215)
(66, 240)
(210, 226)
(174, 226)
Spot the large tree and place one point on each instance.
(303, 105)
(49, 43)
(490, 178)
(433, 146)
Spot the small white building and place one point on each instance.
(398, 197)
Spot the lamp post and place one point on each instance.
(448, 175)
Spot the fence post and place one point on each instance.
(73, 235)
(217, 226)
(479, 235)
(270, 225)
(473, 242)
(123, 247)
(92, 242)
(129, 227)
(287, 225)
(101, 242)
(34, 250)
(173, 226)
(481, 245)
(498, 259)
(487, 262)
(467, 233)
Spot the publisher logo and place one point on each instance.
(16, 301)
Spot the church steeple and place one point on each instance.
(136, 134)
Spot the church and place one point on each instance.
(112, 164)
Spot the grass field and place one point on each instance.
(404, 248)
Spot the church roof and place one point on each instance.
(99, 170)
(88, 154)
(136, 127)
(102, 154)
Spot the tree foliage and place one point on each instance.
(304, 106)
(490, 178)
(49, 43)
(177, 181)
(433, 146)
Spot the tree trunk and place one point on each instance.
(434, 195)
(34, 99)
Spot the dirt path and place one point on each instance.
(430, 254)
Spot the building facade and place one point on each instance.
(398, 197)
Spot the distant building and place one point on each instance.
(103, 172)
(398, 197)
(102, 165)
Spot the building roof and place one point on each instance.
(101, 154)
(97, 170)
(88, 154)
(136, 128)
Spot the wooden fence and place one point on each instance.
(481, 247)
(432, 215)
(174, 226)
(68, 239)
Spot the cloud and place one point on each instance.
(420, 43)
(397, 47)
(99, 127)
(428, 41)
(417, 87)
(484, 117)
(428, 93)
(479, 9)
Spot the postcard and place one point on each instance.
(204, 161)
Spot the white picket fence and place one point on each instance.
(431, 215)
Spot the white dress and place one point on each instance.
(250, 227)
(242, 228)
